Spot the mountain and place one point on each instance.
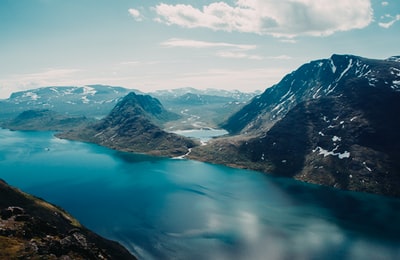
(90, 101)
(31, 228)
(133, 125)
(44, 120)
(332, 122)
(314, 80)
(201, 108)
(236, 95)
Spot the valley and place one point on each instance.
(330, 123)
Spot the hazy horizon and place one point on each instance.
(246, 45)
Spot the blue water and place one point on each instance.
(180, 209)
(203, 135)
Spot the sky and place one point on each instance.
(151, 45)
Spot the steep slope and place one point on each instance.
(313, 80)
(90, 101)
(132, 126)
(31, 228)
(338, 131)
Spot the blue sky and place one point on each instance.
(149, 45)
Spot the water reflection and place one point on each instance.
(179, 209)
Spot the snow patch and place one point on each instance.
(316, 93)
(325, 119)
(287, 94)
(31, 95)
(395, 71)
(366, 167)
(276, 108)
(85, 100)
(54, 90)
(325, 153)
(69, 91)
(89, 91)
(336, 139)
(333, 67)
(346, 70)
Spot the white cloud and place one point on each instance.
(385, 3)
(238, 55)
(176, 42)
(390, 23)
(49, 77)
(280, 57)
(135, 14)
(243, 79)
(285, 18)
(236, 51)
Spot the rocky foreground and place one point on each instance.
(31, 228)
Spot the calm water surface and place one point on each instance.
(179, 209)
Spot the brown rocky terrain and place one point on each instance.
(31, 228)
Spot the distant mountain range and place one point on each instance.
(332, 122)
(197, 108)
(236, 95)
(89, 101)
(201, 108)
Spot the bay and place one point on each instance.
(162, 208)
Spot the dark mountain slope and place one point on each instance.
(31, 228)
(335, 141)
(347, 137)
(313, 80)
(132, 126)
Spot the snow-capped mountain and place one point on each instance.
(201, 108)
(332, 122)
(93, 100)
(317, 79)
(232, 95)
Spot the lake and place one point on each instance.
(163, 208)
(204, 135)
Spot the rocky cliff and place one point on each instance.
(31, 228)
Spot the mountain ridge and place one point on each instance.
(331, 122)
(312, 80)
(133, 125)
